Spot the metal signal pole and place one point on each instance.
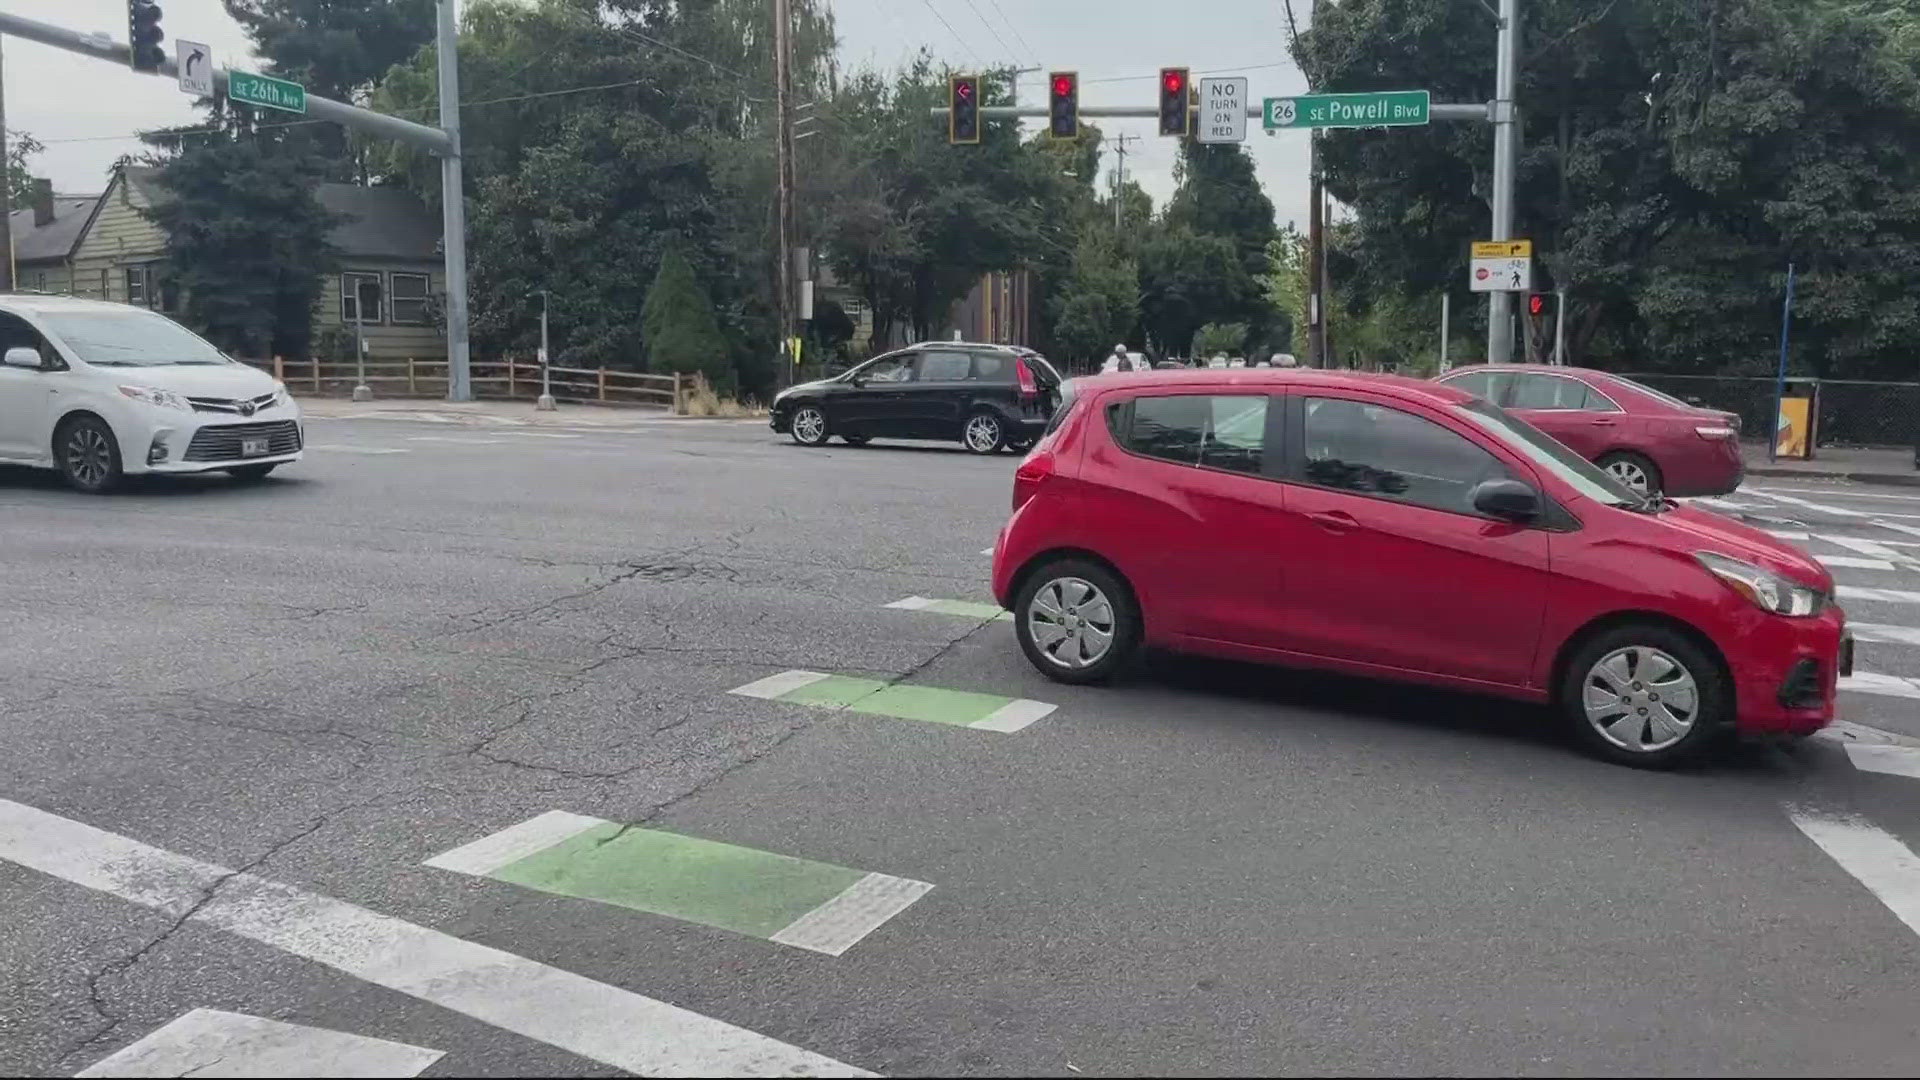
(1506, 162)
(6, 196)
(783, 164)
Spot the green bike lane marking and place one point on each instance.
(969, 608)
(933, 704)
(790, 901)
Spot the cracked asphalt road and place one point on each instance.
(371, 659)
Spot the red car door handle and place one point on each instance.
(1336, 521)
(1603, 422)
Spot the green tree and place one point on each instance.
(1189, 279)
(19, 176)
(1215, 339)
(1099, 304)
(335, 48)
(681, 333)
(1677, 154)
(247, 242)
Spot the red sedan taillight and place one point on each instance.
(1036, 470)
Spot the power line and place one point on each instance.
(956, 34)
(983, 22)
(1017, 36)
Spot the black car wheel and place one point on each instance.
(1645, 695)
(856, 440)
(1076, 621)
(1633, 470)
(984, 433)
(810, 426)
(88, 455)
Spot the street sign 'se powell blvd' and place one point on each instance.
(1386, 108)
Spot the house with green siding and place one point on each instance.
(389, 253)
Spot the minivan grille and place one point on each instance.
(221, 442)
(242, 406)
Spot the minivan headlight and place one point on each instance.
(1768, 590)
(153, 395)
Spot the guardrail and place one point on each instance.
(510, 379)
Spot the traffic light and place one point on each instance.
(1063, 114)
(963, 109)
(1539, 304)
(144, 36)
(1173, 102)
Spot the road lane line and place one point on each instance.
(1864, 592)
(837, 925)
(1836, 511)
(1868, 682)
(1865, 547)
(986, 551)
(1786, 534)
(1884, 632)
(490, 853)
(1883, 864)
(592, 1019)
(1892, 760)
(970, 608)
(541, 435)
(762, 894)
(901, 701)
(1849, 562)
(337, 449)
(1013, 716)
(773, 687)
(459, 440)
(1910, 530)
(209, 1042)
(1845, 494)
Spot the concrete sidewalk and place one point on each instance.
(1866, 465)
(501, 413)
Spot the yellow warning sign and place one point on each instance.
(1503, 249)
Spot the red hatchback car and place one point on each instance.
(1648, 440)
(1385, 526)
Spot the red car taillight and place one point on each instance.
(1032, 473)
(1024, 376)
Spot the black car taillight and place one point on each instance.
(1029, 389)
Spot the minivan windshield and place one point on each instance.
(1548, 453)
(130, 338)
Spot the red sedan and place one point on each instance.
(1384, 526)
(1648, 440)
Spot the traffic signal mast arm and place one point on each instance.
(427, 138)
(1481, 112)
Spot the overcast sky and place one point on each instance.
(86, 111)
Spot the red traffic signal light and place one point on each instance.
(1174, 116)
(1536, 304)
(1063, 111)
(963, 109)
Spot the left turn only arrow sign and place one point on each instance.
(194, 62)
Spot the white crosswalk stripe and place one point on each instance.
(1867, 682)
(1903, 635)
(1864, 546)
(1886, 596)
(1851, 562)
(1808, 504)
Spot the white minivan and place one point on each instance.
(100, 390)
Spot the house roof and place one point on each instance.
(376, 222)
(55, 239)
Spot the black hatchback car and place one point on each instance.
(986, 397)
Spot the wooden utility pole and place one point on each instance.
(6, 195)
(1120, 176)
(1316, 258)
(783, 164)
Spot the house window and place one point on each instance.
(409, 298)
(853, 308)
(354, 287)
(137, 286)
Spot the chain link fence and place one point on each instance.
(1852, 412)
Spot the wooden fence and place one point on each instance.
(510, 379)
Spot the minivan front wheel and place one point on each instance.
(1646, 695)
(984, 433)
(88, 455)
(1076, 621)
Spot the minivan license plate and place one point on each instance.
(252, 447)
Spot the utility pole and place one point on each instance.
(1506, 162)
(783, 164)
(1120, 175)
(6, 195)
(1316, 257)
(545, 402)
(453, 208)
